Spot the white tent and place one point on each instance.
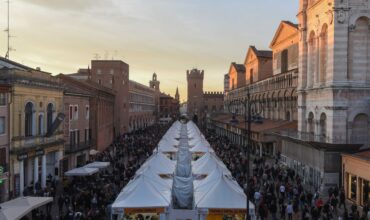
(207, 163)
(142, 192)
(201, 149)
(225, 193)
(159, 163)
(97, 164)
(17, 208)
(165, 146)
(93, 152)
(81, 171)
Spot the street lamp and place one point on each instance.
(252, 110)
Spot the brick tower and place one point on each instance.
(195, 92)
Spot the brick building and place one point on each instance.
(99, 111)
(114, 74)
(199, 103)
(169, 106)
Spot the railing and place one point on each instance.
(78, 147)
(281, 81)
(310, 137)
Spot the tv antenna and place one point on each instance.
(96, 56)
(8, 32)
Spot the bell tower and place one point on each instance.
(195, 92)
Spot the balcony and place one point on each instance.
(69, 149)
(322, 140)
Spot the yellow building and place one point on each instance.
(36, 137)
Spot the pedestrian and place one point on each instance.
(289, 210)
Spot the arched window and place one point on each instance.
(360, 129)
(311, 68)
(41, 124)
(49, 116)
(311, 124)
(358, 51)
(28, 126)
(323, 53)
(287, 116)
(323, 126)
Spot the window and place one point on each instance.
(41, 124)
(2, 125)
(352, 187)
(72, 138)
(49, 116)
(111, 71)
(2, 99)
(2, 156)
(98, 71)
(75, 112)
(365, 191)
(70, 112)
(87, 111)
(78, 137)
(28, 125)
(99, 81)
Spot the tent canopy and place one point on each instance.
(159, 163)
(223, 194)
(97, 164)
(142, 192)
(81, 171)
(17, 208)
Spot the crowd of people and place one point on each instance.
(279, 192)
(90, 197)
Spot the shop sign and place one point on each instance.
(22, 156)
(39, 152)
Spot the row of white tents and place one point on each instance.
(161, 184)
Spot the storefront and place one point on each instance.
(38, 166)
(356, 177)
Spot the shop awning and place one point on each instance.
(97, 164)
(17, 208)
(81, 171)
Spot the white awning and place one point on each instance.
(17, 208)
(81, 171)
(97, 164)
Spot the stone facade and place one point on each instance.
(333, 90)
(334, 74)
(35, 115)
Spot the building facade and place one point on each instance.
(201, 104)
(99, 110)
(333, 86)
(77, 131)
(271, 82)
(168, 106)
(236, 76)
(141, 106)
(114, 74)
(36, 137)
(4, 142)
(356, 177)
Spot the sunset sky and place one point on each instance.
(163, 36)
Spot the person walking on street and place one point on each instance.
(289, 211)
